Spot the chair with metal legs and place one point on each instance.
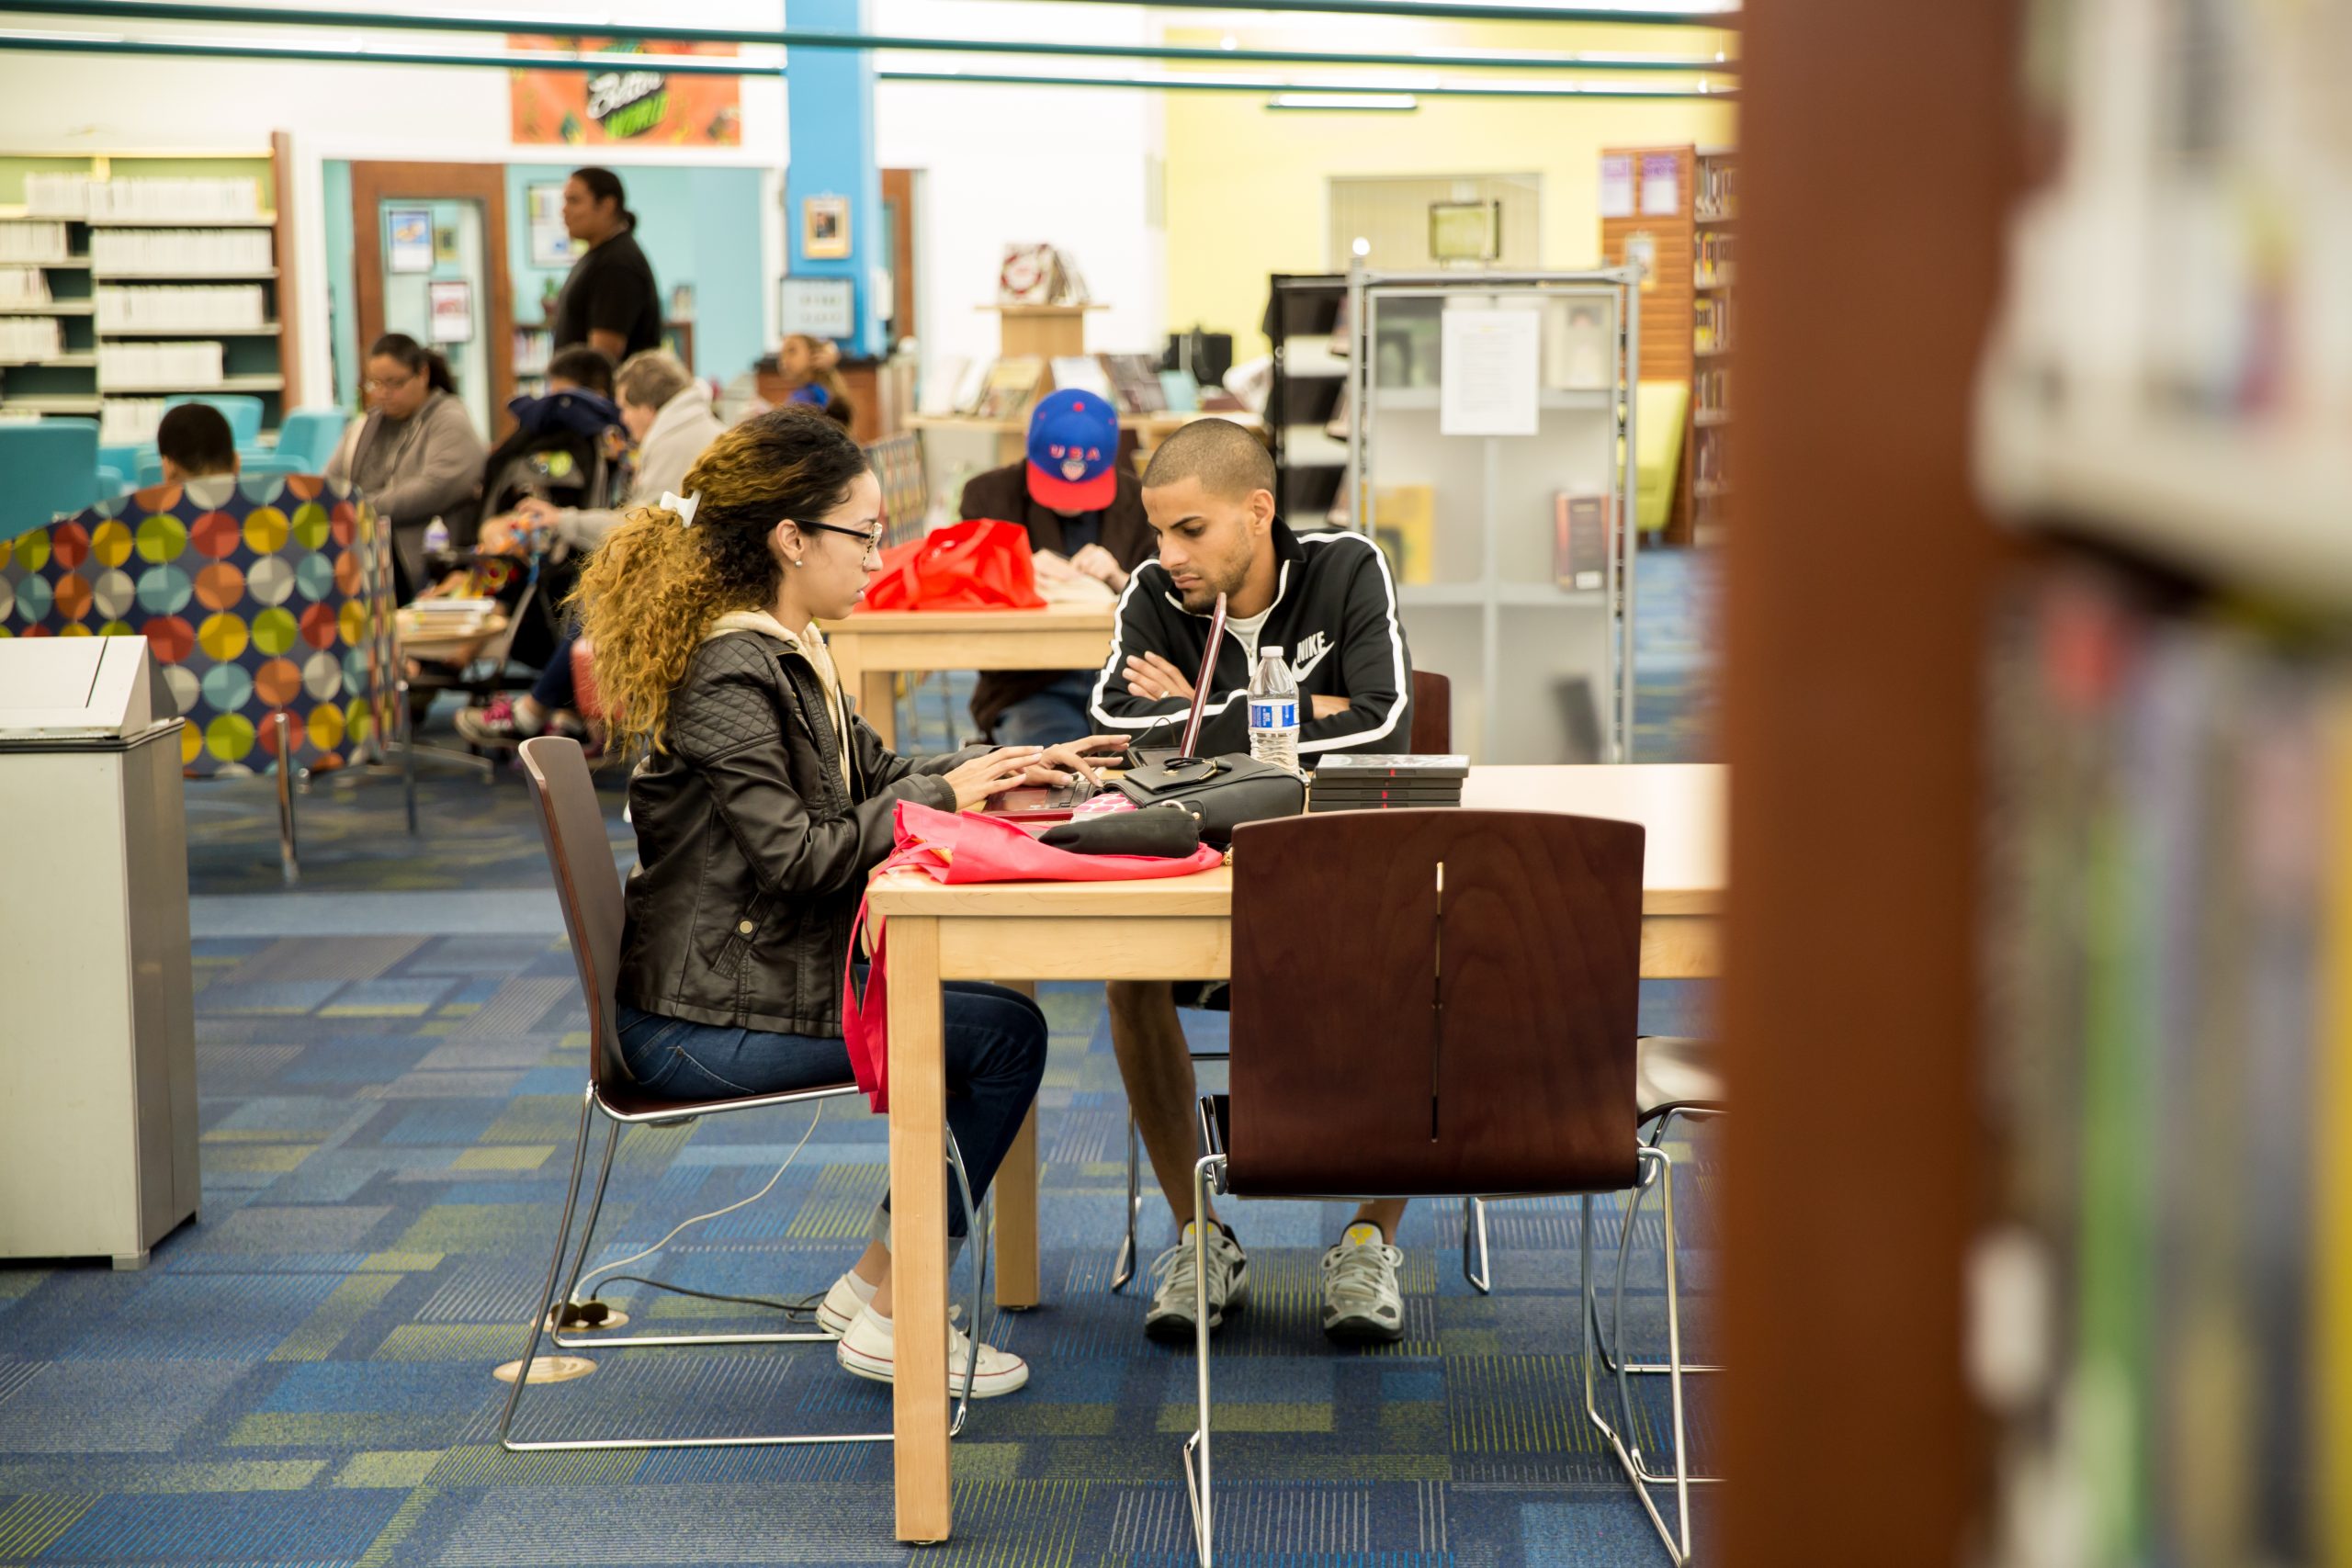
(580, 854)
(1473, 1034)
(1432, 736)
(1674, 1079)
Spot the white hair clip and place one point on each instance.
(684, 506)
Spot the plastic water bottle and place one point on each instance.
(1273, 711)
(436, 538)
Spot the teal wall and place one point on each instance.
(697, 226)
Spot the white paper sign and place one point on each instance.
(1661, 185)
(1617, 186)
(1489, 383)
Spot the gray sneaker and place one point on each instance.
(1174, 1297)
(1362, 1304)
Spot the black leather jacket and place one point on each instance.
(752, 849)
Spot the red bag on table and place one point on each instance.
(978, 565)
(957, 847)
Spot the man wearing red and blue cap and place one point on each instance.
(1078, 502)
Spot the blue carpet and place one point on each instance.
(303, 1375)
(389, 1062)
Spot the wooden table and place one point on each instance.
(1179, 929)
(872, 647)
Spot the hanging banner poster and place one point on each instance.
(635, 101)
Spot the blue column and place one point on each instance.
(828, 108)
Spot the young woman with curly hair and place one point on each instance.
(761, 802)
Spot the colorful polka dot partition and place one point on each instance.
(272, 601)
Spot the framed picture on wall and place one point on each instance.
(824, 228)
(408, 239)
(452, 303)
(1466, 231)
(552, 242)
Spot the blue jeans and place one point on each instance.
(1049, 717)
(995, 1049)
(553, 689)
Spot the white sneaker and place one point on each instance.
(869, 1350)
(1174, 1296)
(849, 1296)
(1362, 1304)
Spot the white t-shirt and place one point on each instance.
(1247, 631)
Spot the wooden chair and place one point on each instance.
(1470, 1034)
(1432, 735)
(580, 854)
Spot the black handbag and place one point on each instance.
(1219, 793)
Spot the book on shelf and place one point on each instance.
(1135, 381)
(180, 250)
(24, 285)
(28, 242)
(2167, 898)
(168, 366)
(30, 338)
(1710, 392)
(1404, 524)
(1011, 383)
(1580, 540)
(1716, 195)
(1711, 325)
(1081, 373)
(971, 385)
(1711, 259)
(192, 308)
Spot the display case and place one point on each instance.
(1489, 440)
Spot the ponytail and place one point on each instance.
(413, 355)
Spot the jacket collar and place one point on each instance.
(1287, 554)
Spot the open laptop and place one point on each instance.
(1146, 757)
(1042, 804)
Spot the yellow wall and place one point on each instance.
(1246, 191)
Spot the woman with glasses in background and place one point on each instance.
(415, 457)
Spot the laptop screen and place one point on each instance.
(1200, 679)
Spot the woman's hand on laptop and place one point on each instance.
(1153, 679)
(984, 778)
(1078, 757)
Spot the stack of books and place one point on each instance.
(1386, 781)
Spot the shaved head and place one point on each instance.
(1227, 460)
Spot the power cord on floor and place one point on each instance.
(590, 1313)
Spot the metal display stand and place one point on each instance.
(1511, 545)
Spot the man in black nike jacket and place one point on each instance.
(1328, 602)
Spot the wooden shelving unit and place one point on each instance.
(1686, 310)
(257, 360)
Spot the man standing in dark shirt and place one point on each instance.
(1077, 499)
(610, 302)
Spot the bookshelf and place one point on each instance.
(1511, 576)
(150, 273)
(2169, 896)
(1303, 315)
(1680, 205)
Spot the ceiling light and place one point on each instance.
(1344, 101)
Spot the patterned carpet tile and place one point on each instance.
(303, 1375)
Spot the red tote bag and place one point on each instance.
(978, 565)
(957, 847)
